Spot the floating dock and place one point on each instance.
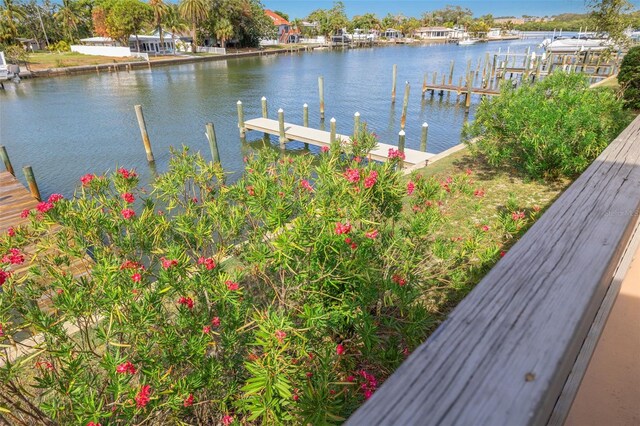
(322, 138)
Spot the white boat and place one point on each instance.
(572, 45)
(467, 41)
(8, 72)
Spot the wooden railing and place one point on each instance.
(505, 353)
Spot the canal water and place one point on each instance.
(68, 126)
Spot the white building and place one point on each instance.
(434, 33)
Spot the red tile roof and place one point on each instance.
(277, 19)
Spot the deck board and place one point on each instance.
(322, 138)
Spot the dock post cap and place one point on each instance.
(262, 99)
(357, 114)
(280, 110)
(305, 106)
(425, 124)
(239, 102)
(401, 133)
(333, 120)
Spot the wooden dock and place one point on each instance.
(322, 138)
(14, 198)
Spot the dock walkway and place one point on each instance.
(322, 138)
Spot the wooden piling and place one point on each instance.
(394, 80)
(241, 120)
(144, 134)
(265, 113)
(405, 104)
(356, 125)
(424, 85)
(305, 115)
(31, 180)
(452, 64)
(423, 138)
(321, 93)
(213, 143)
(467, 101)
(401, 140)
(5, 159)
(283, 138)
(332, 137)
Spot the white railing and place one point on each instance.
(215, 50)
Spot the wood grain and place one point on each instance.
(503, 355)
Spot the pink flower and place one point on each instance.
(25, 213)
(410, 187)
(350, 379)
(502, 253)
(348, 240)
(194, 200)
(136, 277)
(208, 262)
(324, 149)
(357, 159)
(126, 367)
(372, 234)
(280, 335)
(53, 198)
(517, 215)
(188, 402)
(339, 349)
(305, 184)
(398, 280)
(536, 208)
(128, 197)
(478, 193)
(11, 232)
(232, 286)
(127, 213)
(468, 172)
(14, 257)
(342, 228)
(44, 206)
(215, 321)
(206, 329)
(44, 364)
(94, 424)
(227, 420)
(309, 374)
(251, 191)
(394, 153)
(142, 398)
(354, 246)
(127, 174)
(186, 301)
(1, 331)
(352, 175)
(86, 179)
(370, 180)
(130, 264)
(4, 276)
(485, 228)
(168, 263)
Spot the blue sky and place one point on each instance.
(301, 8)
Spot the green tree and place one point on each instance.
(174, 22)
(160, 10)
(368, 21)
(194, 11)
(10, 15)
(629, 78)
(610, 16)
(127, 17)
(69, 18)
(223, 31)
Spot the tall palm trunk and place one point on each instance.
(193, 38)
(162, 49)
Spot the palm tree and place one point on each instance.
(160, 10)
(10, 14)
(223, 30)
(68, 18)
(194, 11)
(174, 22)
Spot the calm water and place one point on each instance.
(68, 126)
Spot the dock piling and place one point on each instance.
(283, 138)
(31, 180)
(5, 159)
(144, 134)
(405, 104)
(213, 143)
(356, 125)
(423, 138)
(321, 93)
(451, 72)
(305, 115)
(241, 120)
(393, 87)
(424, 85)
(332, 136)
(401, 140)
(264, 108)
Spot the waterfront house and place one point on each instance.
(494, 33)
(30, 44)
(393, 34)
(285, 31)
(434, 33)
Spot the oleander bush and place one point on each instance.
(286, 297)
(550, 129)
(629, 78)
